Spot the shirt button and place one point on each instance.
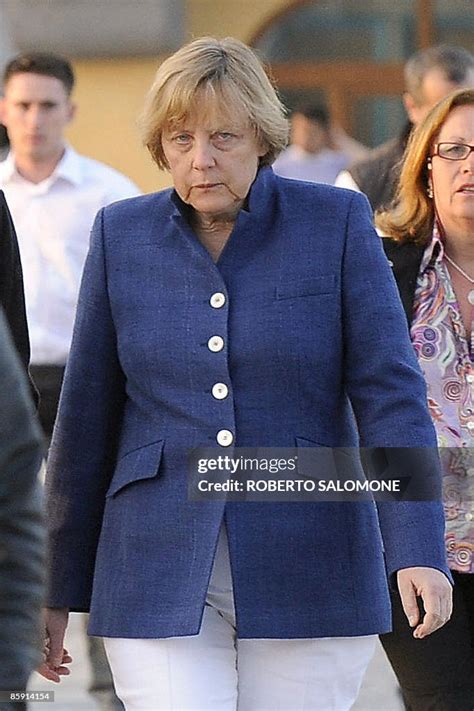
(470, 471)
(215, 344)
(470, 378)
(224, 438)
(220, 391)
(217, 300)
(469, 516)
(470, 425)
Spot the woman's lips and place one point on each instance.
(207, 186)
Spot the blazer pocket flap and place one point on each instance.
(140, 463)
(324, 284)
(321, 461)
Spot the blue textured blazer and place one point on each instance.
(313, 331)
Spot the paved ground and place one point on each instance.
(378, 692)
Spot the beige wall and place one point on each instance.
(237, 18)
(110, 93)
(109, 96)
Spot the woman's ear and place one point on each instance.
(262, 151)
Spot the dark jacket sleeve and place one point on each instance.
(405, 259)
(21, 527)
(12, 297)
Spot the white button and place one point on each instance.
(469, 516)
(220, 391)
(470, 425)
(470, 378)
(224, 438)
(217, 300)
(470, 471)
(215, 344)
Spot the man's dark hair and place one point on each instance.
(49, 65)
(455, 62)
(314, 112)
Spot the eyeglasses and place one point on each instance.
(452, 151)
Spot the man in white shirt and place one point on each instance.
(53, 194)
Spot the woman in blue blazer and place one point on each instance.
(238, 309)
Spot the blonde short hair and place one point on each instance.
(411, 217)
(230, 77)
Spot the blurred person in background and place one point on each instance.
(430, 75)
(54, 194)
(430, 242)
(310, 155)
(21, 526)
(233, 310)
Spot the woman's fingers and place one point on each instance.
(436, 593)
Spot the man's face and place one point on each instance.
(435, 86)
(35, 111)
(307, 134)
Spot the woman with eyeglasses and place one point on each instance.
(431, 248)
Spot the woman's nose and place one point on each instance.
(203, 155)
(468, 163)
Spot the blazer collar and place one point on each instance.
(251, 226)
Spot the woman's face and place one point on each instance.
(213, 161)
(453, 180)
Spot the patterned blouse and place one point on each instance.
(447, 360)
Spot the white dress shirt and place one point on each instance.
(321, 167)
(345, 180)
(53, 220)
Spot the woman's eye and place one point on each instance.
(455, 149)
(182, 138)
(225, 135)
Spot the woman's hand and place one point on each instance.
(55, 656)
(436, 592)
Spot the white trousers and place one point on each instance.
(215, 671)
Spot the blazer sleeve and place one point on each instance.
(387, 390)
(12, 297)
(85, 437)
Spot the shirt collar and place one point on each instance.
(7, 168)
(434, 251)
(297, 152)
(68, 168)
